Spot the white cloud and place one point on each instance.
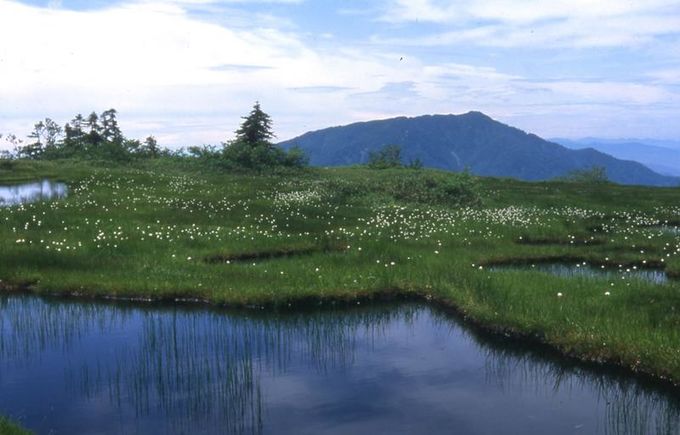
(607, 92)
(153, 58)
(520, 11)
(529, 23)
(188, 81)
(158, 65)
(666, 76)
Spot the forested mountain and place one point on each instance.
(472, 140)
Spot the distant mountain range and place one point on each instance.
(660, 156)
(472, 140)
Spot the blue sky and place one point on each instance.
(186, 70)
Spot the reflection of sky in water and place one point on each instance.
(587, 271)
(671, 229)
(31, 192)
(85, 367)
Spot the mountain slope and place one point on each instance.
(471, 140)
(663, 160)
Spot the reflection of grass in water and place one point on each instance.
(583, 270)
(203, 368)
(199, 368)
(29, 326)
(214, 362)
(630, 406)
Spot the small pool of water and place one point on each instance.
(672, 229)
(31, 192)
(571, 270)
(75, 367)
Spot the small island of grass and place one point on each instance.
(8, 427)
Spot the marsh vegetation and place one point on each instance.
(153, 231)
(251, 227)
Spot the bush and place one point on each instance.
(340, 190)
(6, 164)
(296, 158)
(261, 156)
(450, 189)
(416, 164)
(388, 156)
(593, 175)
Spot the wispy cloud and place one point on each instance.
(666, 76)
(240, 67)
(502, 23)
(319, 89)
(186, 70)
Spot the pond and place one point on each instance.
(82, 367)
(671, 229)
(571, 270)
(35, 191)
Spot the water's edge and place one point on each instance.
(476, 326)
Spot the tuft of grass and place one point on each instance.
(7, 427)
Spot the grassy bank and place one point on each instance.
(164, 231)
(9, 428)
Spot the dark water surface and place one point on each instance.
(31, 192)
(90, 368)
(572, 270)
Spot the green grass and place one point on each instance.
(9, 428)
(163, 230)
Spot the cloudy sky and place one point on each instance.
(186, 70)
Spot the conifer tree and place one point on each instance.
(256, 128)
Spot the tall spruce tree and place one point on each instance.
(256, 128)
(94, 136)
(110, 130)
(74, 142)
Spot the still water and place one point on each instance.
(31, 192)
(572, 270)
(671, 229)
(73, 367)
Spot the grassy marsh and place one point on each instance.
(7, 427)
(150, 231)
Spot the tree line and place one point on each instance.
(99, 137)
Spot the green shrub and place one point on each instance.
(451, 189)
(592, 175)
(340, 190)
(388, 156)
(411, 186)
(262, 156)
(6, 164)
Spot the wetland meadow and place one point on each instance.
(339, 217)
(160, 297)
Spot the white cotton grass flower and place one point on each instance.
(559, 294)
